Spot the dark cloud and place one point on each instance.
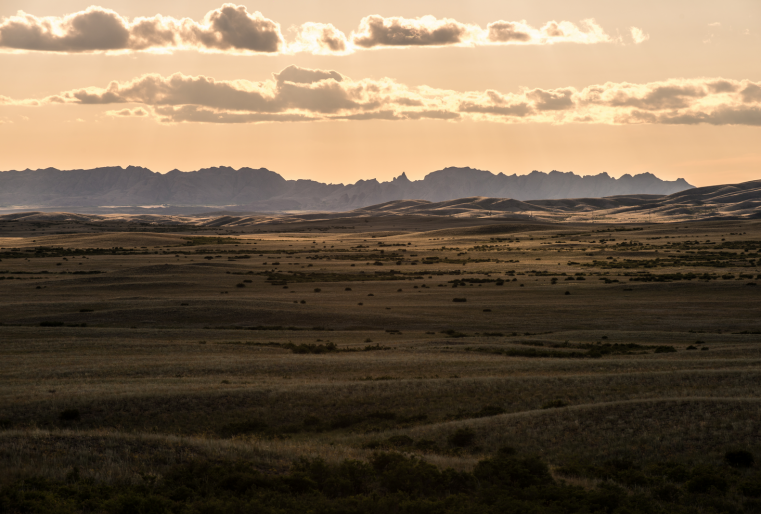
(554, 100)
(434, 115)
(427, 31)
(194, 114)
(751, 93)
(378, 115)
(518, 110)
(507, 32)
(96, 29)
(92, 29)
(721, 116)
(660, 97)
(233, 27)
(408, 102)
(306, 76)
(300, 94)
(722, 86)
(127, 113)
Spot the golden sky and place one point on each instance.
(342, 90)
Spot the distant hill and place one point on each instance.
(262, 189)
(722, 202)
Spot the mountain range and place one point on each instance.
(264, 190)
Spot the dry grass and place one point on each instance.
(150, 394)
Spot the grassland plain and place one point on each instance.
(612, 368)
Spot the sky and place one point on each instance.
(343, 90)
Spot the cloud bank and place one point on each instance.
(301, 94)
(233, 29)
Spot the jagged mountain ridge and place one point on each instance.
(262, 189)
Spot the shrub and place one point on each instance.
(461, 437)
(243, 427)
(382, 415)
(459, 300)
(751, 489)
(554, 404)
(426, 445)
(665, 349)
(400, 440)
(51, 323)
(739, 459)
(240, 285)
(69, 415)
(708, 484)
(489, 410)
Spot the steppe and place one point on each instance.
(606, 350)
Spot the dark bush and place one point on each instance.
(400, 440)
(739, 459)
(382, 415)
(506, 470)
(489, 410)
(751, 489)
(706, 483)
(462, 437)
(426, 445)
(51, 323)
(243, 427)
(665, 349)
(69, 415)
(668, 493)
(345, 422)
(459, 300)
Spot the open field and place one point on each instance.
(614, 353)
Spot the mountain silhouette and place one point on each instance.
(262, 189)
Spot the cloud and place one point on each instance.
(426, 31)
(233, 29)
(320, 39)
(638, 35)
(138, 112)
(376, 31)
(519, 32)
(302, 94)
